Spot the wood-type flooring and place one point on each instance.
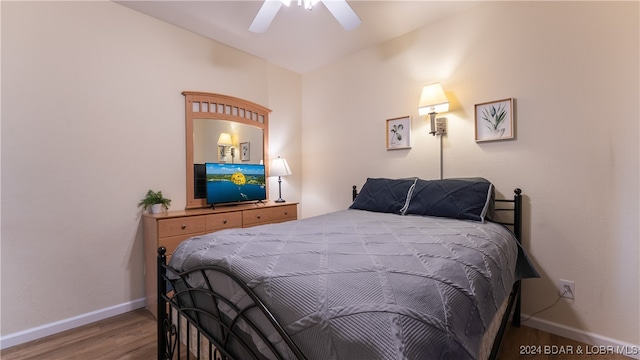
(132, 336)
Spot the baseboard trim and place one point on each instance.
(38, 332)
(596, 340)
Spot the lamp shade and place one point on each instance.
(433, 100)
(225, 139)
(279, 167)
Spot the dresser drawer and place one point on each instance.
(223, 221)
(269, 215)
(181, 226)
(172, 242)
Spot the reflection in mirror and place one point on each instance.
(246, 139)
(245, 147)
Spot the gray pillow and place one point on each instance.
(467, 199)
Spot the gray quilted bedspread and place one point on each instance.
(355, 284)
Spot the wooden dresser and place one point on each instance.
(170, 228)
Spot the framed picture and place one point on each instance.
(245, 153)
(494, 121)
(399, 133)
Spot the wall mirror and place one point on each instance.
(207, 116)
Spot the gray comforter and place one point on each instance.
(355, 284)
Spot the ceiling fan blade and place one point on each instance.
(265, 16)
(343, 13)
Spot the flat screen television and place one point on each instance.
(235, 183)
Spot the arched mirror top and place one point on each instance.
(208, 106)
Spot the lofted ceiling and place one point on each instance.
(299, 40)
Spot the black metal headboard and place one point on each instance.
(514, 205)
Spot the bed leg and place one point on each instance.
(162, 304)
(516, 312)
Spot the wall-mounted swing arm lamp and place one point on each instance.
(279, 168)
(224, 143)
(434, 101)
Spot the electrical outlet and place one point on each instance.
(567, 289)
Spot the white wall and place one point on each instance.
(93, 117)
(573, 69)
(285, 138)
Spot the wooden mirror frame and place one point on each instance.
(200, 105)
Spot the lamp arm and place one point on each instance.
(432, 121)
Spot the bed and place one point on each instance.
(413, 269)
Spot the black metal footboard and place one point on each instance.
(204, 323)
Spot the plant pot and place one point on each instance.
(497, 132)
(156, 208)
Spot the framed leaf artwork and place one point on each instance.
(494, 120)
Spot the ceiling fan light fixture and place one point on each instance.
(308, 4)
(338, 8)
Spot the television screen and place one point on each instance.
(230, 183)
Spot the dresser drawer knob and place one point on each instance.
(258, 216)
(183, 226)
(286, 213)
(224, 221)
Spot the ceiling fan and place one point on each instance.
(339, 8)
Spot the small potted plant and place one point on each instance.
(155, 201)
